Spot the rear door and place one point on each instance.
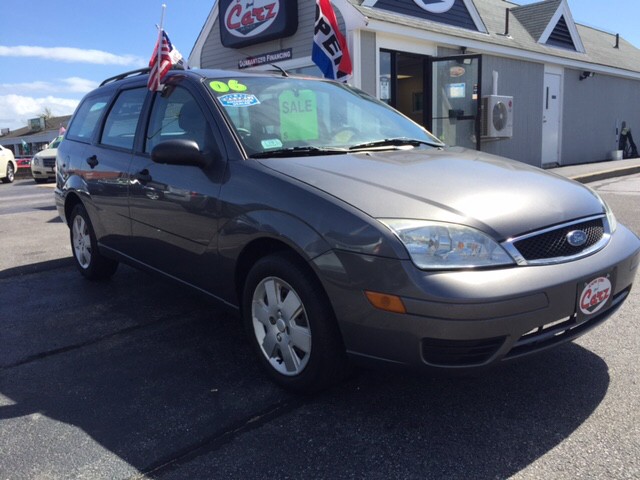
(107, 166)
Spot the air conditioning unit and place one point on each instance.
(497, 116)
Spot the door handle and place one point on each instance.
(142, 176)
(92, 161)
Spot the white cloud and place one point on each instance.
(79, 85)
(72, 55)
(15, 110)
(62, 85)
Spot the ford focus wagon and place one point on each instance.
(336, 227)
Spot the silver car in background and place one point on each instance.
(43, 163)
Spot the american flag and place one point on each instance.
(169, 56)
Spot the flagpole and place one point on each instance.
(160, 30)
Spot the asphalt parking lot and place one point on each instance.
(140, 378)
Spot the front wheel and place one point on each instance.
(90, 262)
(291, 325)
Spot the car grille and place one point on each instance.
(551, 245)
(554, 244)
(49, 162)
(459, 353)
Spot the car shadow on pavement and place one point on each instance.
(405, 425)
(138, 375)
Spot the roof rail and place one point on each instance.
(140, 71)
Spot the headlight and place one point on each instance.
(436, 245)
(611, 218)
(36, 161)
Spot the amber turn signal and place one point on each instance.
(384, 301)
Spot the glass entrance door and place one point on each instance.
(403, 83)
(455, 100)
(441, 93)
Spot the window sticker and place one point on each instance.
(271, 143)
(223, 87)
(298, 115)
(239, 100)
(456, 90)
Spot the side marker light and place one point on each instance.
(384, 301)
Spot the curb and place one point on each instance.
(605, 174)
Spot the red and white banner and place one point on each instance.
(330, 51)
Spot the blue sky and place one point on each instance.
(52, 53)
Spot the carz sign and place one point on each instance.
(247, 22)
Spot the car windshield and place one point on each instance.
(287, 116)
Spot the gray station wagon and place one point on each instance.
(339, 229)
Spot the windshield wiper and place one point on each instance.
(395, 142)
(302, 151)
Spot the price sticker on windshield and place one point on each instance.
(221, 86)
(298, 115)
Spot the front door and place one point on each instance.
(456, 92)
(551, 119)
(174, 215)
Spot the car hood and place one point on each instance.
(504, 198)
(47, 153)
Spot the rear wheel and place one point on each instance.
(10, 174)
(90, 262)
(292, 326)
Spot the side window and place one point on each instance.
(177, 115)
(122, 120)
(87, 117)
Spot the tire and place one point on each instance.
(90, 262)
(10, 174)
(291, 325)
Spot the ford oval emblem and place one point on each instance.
(576, 238)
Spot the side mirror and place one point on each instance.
(179, 152)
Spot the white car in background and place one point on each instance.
(44, 162)
(8, 165)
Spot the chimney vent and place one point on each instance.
(506, 23)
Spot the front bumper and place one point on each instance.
(470, 319)
(41, 172)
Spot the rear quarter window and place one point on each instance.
(121, 123)
(87, 118)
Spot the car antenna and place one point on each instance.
(278, 67)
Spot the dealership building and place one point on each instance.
(526, 82)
